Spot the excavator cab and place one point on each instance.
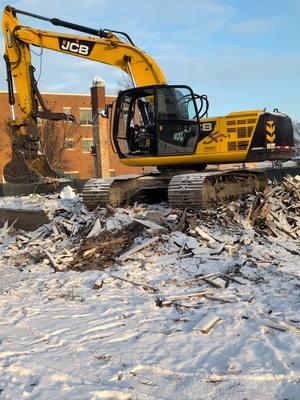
(157, 120)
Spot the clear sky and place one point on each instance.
(242, 54)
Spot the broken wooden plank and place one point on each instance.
(280, 325)
(125, 256)
(96, 229)
(207, 323)
(52, 260)
(137, 284)
(185, 296)
(204, 235)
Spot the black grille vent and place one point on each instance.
(243, 145)
(242, 133)
(231, 130)
(251, 121)
(241, 121)
(250, 129)
(241, 115)
(231, 146)
(231, 122)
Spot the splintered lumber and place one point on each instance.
(96, 230)
(151, 225)
(185, 296)
(204, 235)
(102, 251)
(214, 284)
(143, 285)
(138, 248)
(217, 298)
(52, 260)
(203, 277)
(207, 323)
(279, 325)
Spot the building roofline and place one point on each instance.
(65, 94)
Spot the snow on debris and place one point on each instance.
(149, 303)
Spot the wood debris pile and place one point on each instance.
(80, 240)
(100, 252)
(272, 213)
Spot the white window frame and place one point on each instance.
(92, 144)
(68, 111)
(82, 109)
(71, 172)
(39, 121)
(70, 140)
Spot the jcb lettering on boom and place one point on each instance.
(81, 47)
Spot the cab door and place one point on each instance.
(176, 121)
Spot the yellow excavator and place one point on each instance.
(154, 124)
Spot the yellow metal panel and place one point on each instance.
(238, 156)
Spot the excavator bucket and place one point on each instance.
(27, 165)
(27, 170)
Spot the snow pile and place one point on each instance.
(151, 303)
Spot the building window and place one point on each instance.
(85, 116)
(39, 121)
(71, 174)
(87, 145)
(69, 144)
(68, 111)
(111, 173)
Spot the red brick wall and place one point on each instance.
(74, 159)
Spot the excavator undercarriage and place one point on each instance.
(192, 190)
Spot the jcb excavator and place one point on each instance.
(154, 124)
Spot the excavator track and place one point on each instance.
(121, 190)
(96, 193)
(205, 190)
(186, 190)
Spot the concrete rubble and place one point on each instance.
(212, 268)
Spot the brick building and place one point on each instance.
(91, 129)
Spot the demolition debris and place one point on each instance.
(77, 239)
(149, 296)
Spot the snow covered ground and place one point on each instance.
(133, 330)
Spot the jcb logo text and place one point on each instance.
(81, 47)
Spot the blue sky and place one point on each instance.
(242, 54)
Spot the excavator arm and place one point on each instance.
(107, 48)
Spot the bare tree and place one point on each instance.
(296, 126)
(125, 82)
(54, 138)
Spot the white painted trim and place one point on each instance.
(66, 94)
